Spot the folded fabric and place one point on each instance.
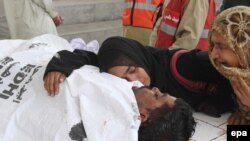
(79, 43)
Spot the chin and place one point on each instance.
(146, 83)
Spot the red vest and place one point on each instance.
(170, 21)
(141, 13)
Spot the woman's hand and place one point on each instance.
(58, 20)
(237, 118)
(52, 81)
(242, 90)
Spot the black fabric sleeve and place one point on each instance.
(66, 61)
(195, 65)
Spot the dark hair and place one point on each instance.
(169, 123)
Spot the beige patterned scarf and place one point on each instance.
(234, 25)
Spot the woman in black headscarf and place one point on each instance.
(185, 74)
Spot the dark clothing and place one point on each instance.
(66, 61)
(194, 65)
(230, 3)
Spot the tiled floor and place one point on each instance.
(209, 128)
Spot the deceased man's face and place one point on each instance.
(151, 99)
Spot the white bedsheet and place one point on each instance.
(108, 112)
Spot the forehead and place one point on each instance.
(118, 70)
(217, 37)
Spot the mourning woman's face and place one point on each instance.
(221, 52)
(131, 73)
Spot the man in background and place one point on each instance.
(30, 18)
(139, 17)
(184, 24)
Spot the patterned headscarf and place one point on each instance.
(234, 25)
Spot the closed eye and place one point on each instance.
(129, 70)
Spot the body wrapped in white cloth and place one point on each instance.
(91, 105)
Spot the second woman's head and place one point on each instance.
(125, 58)
(230, 42)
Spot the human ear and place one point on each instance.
(144, 115)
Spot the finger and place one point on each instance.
(245, 90)
(56, 22)
(60, 78)
(242, 121)
(241, 118)
(241, 81)
(237, 89)
(48, 83)
(234, 85)
(53, 82)
(56, 82)
(236, 120)
(61, 18)
(232, 120)
(45, 84)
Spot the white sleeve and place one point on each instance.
(48, 7)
